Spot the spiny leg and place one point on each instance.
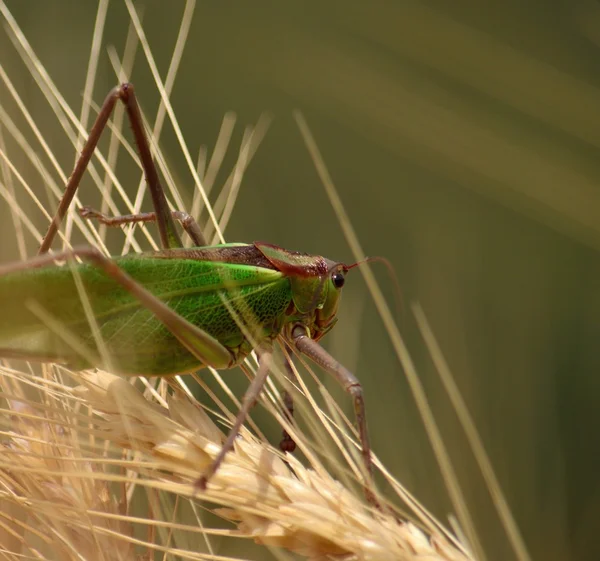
(125, 92)
(351, 384)
(265, 356)
(186, 221)
(202, 345)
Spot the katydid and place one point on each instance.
(175, 310)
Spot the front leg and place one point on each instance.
(287, 443)
(352, 385)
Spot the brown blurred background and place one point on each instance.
(464, 138)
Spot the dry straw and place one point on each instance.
(70, 465)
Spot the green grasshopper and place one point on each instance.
(175, 310)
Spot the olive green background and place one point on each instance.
(463, 137)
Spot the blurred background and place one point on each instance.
(463, 138)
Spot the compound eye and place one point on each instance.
(338, 279)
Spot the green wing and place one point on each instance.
(215, 296)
